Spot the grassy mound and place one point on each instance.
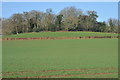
(59, 34)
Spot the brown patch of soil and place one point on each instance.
(61, 38)
(34, 72)
(68, 75)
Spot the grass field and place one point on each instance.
(60, 34)
(86, 58)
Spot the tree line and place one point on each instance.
(68, 19)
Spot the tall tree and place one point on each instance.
(70, 15)
(59, 21)
(113, 24)
(92, 19)
(17, 20)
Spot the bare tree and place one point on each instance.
(70, 15)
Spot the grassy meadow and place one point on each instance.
(60, 34)
(88, 58)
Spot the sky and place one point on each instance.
(105, 10)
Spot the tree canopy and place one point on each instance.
(68, 19)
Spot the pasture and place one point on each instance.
(88, 58)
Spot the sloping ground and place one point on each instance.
(60, 34)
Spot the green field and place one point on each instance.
(86, 58)
(60, 34)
